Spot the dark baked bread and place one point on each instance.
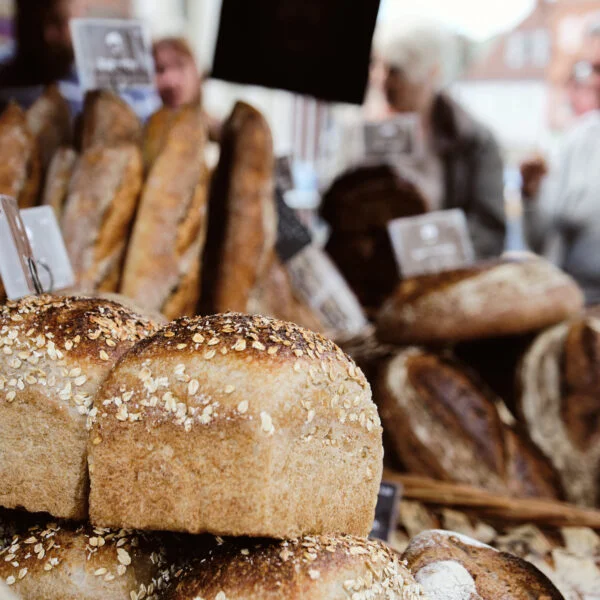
(358, 207)
(504, 297)
(59, 561)
(310, 568)
(445, 424)
(58, 179)
(20, 169)
(55, 352)
(162, 270)
(242, 214)
(559, 403)
(224, 424)
(452, 566)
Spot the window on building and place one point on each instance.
(540, 48)
(516, 50)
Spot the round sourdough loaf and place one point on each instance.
(504, 297)
(309, 568)
(451, 566)
(236, 425)
(54, 353)
(58, 561)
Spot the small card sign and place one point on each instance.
(393, 138)
(33, 257)
(386, 511)
(292, 235)
(112, 54)
(430, 243)
(284, 176)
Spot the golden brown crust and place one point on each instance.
(156, 132)
(55, 354)
(58, 179)
(230, 395)
(20, 169)
(449, 565)
(98, 214)
(108, 121)
(162, 270)
(506, 297)
(309, 568)
(243, 217)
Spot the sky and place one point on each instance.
(476, 18)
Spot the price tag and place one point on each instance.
(112, 54)
(292, 235)
(389, 140)
(33, 257)
(284, 176)
(386, 511)
(430, 243)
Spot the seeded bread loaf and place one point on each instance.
(55, 354)
(443, 423)
(60, 172)
(60, 561)
(97, 218)
(20, 169)
(242, 214)
(236, 425)
(162, 270)
(452, 566)
(504, 297)
(310, 568)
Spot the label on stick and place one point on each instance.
(386, 511)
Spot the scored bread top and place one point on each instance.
(311, 567)
(235, 366)
(59, 345)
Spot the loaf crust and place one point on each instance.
(156, 131)
(310, 568)
(100, 207)
(60, 172)
(222, 424)
(505, 297)
(162, 271)
(55, 353)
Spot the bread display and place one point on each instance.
(560, 387)
(242, 213)
(58, 179)
(358, 207)
(107, 120)
(449, 565)
(310, 568)
(155, 135)
(49, 120)
(59, 561)
(498, 298)
(20, 169)
(223, 424)
(162, 270)
(55, 354)
(444, 424)
(99, 210)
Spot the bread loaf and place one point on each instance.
(452, 566)
(560, 387)
(98, 214)
(55, 354)
(58, 179)
(155, 135)
(162, 271)
(59, 561)
(444, 424)
(505, 297)
(243, 216)
(223, 424)
(107, 120)
(49, 120)
(311, 568)
(20, 169)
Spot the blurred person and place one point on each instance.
(43, 54)
(461, 157)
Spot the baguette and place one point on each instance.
(155, 135)
(58, 179)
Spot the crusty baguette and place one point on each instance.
(162, 271)
(20, 169)
(242, 213)
(49, 120)
(155, 135)
(98, 214)
(108, 120)
(58, 179)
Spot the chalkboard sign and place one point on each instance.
(386, 511)
(292, 235)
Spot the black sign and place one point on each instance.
(292, 235)
(320, 48)
(283, 174)
(386, 512)
(392, 138)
